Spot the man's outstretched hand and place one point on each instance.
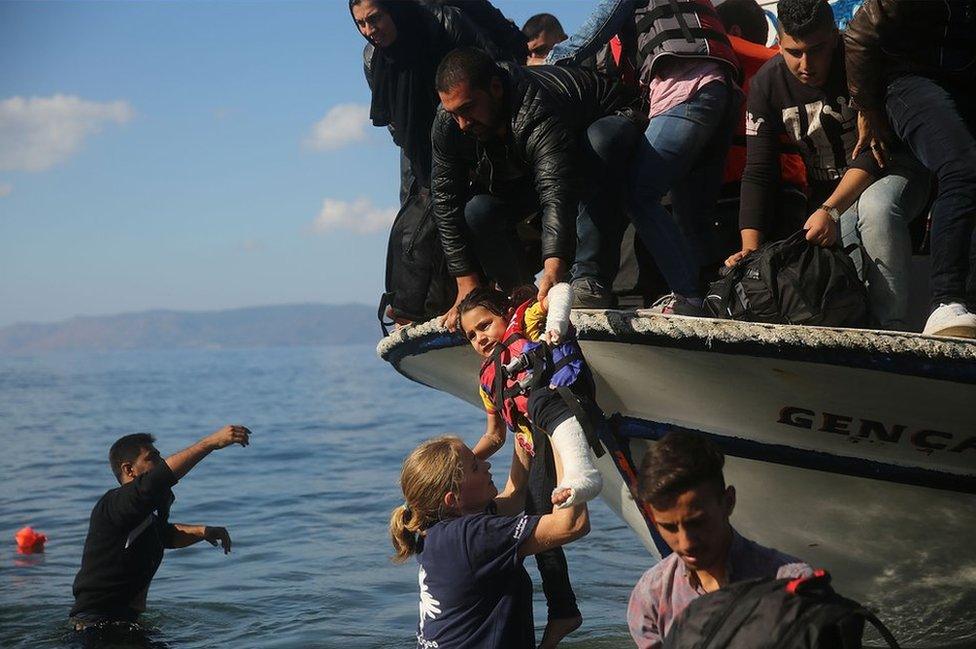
(229, 435)
(217, 536)
(874, 132)
(553, 272)
(465, 284)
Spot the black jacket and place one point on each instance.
(890, 38)
(547, 109)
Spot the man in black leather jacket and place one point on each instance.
(509, 141)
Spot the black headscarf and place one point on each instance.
(404, 95)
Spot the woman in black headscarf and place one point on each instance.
(407, 41)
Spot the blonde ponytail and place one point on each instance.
(431, 471)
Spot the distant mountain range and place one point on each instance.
(265, 326)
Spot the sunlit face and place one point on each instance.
(477, 489)
(483, 329)
(476, 111)
(374, 23)
(148, 459)
(541, 45)
(696, 526)
(809, 58)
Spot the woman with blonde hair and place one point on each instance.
(470, 542)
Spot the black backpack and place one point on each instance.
(418, 286)
(801, 613)
(791, 282)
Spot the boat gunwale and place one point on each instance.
(884, 351)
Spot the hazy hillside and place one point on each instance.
(268, 326)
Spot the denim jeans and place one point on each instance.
(878, 221)
(606, 150)
(606, 20)
(492, 222)
(683, 152)
(937, 125)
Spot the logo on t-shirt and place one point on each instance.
(520, 527)
(753, 124)
(429, 607)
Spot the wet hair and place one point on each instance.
(431, 471)
(679, 462)
(749, 17)
(465, 64)
(542, 23)
(127, 449)
(799, 18)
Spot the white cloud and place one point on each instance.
(5, 189)
(342, 125)
(359, 216)
(41, 132)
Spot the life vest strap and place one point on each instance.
(575, 407)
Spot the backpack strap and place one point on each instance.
(881, 628)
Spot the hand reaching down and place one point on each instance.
(217, 536)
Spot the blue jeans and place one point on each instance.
(878, 221)
(606, 20)
(683, 153)
(492, 222)
(606, 150)
(937, 124)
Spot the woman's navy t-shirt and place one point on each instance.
(474, 591)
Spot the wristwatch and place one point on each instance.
(832, 212)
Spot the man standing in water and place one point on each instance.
(681, 479)
(129, 527)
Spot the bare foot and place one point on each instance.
(559, 628)
(559, 496)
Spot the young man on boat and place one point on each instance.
(129, 528)
(801, 94)
(681, 479)
(911, 66)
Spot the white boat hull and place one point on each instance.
(855, 451)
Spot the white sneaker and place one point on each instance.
(951, 319)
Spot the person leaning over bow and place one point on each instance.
(129, 527)
(681, 480)
(510, 141)
(470, 543)
(688, 76)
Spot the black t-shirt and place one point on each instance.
(820, 121)
(128, 529)
(474, 591)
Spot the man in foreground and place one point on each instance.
(681, 479)
(129, 527)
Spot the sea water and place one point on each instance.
(306, 504)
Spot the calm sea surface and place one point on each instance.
(306, 503)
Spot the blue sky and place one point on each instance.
(191, 155)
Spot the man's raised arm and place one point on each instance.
(181, 462)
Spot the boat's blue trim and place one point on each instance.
(906, 363)
(805, 459)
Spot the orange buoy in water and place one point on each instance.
(29, 541)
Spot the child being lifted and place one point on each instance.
(534, 380)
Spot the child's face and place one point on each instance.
(483, 329)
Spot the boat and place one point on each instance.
(852, 449)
